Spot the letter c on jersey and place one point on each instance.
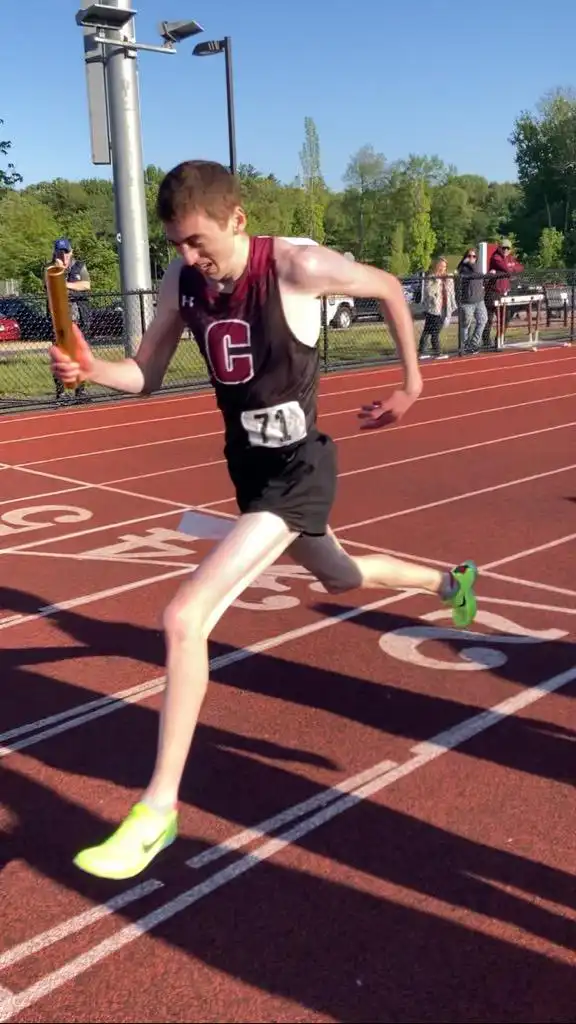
(229, 350)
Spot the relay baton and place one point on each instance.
(59, 305)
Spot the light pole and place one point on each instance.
(224, 46)
(110, 52)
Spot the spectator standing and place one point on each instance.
(500, 269)
(473, 313)
(78, 286)
(439, 305)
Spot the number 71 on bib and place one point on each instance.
(275, 426)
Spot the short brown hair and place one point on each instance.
(198, 185)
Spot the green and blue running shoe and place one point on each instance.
(463, 600)
(143, 834)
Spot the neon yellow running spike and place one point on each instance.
(143, 834)
(463, 601)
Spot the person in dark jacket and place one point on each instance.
(473, 313)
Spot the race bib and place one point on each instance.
(275, 426)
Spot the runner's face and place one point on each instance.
(204, 243)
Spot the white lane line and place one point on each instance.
(118, 699)
(454, 497)
(44, 494)
(531, 583)
(327, 394)
(89, 917)
(113, 591)
(84, 712)
(511, 360)
(352, 472)
(56, 724)
(173, 563)
(77, 923)
(434, 455)
(263, 829)
(529, 604)
(535, 584)
(99, 595)
(218, 433)
(77, 602)
(423, 755)
(351, 437)
(113, 559)
(449, 739)
(461, 448)
(533, 551)
(101, 487)
(57, 539)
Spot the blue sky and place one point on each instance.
(427, 76)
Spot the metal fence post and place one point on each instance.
(142, 310)
(573, 296)
(325, 351)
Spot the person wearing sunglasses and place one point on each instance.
(473, 313)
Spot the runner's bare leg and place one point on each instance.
(339, 571)
(255, 543)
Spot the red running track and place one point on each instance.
(377, 816)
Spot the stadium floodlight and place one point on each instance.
(208, 49)
(104, 16)
(110, 57)
(178, 31)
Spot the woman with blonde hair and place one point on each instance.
(439, 305)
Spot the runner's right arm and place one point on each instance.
(145, 371)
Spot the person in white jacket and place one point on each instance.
(439, 304)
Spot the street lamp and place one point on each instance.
(110, 55)
(208, 49)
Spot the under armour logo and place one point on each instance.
(187, 300)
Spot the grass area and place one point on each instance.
(26, 375)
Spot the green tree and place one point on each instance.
(397, 261)
(27, 233)
(269, 205)
(9, 176)
(309, 213)
(545, 153)
(550, 249)
(451, 216)
(365, 180)
(421, 240)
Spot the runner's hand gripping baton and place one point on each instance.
(59, 305)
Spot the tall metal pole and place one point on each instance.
(230, 104)
(128, 173)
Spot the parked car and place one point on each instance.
(33, 323)
(106, 321)
(9, 329)
(369, 309)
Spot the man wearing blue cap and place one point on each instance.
(78, 285)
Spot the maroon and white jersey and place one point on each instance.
(265, 380)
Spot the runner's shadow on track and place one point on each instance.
(380, 955)
(392, 709)
(410, 923)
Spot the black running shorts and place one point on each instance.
(298, 485)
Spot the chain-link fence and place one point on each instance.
(528, 308)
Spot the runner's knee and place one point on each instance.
(184, 621)
(325, 558)
(347, 577)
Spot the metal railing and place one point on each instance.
(354, 333)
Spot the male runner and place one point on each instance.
(253, 306)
